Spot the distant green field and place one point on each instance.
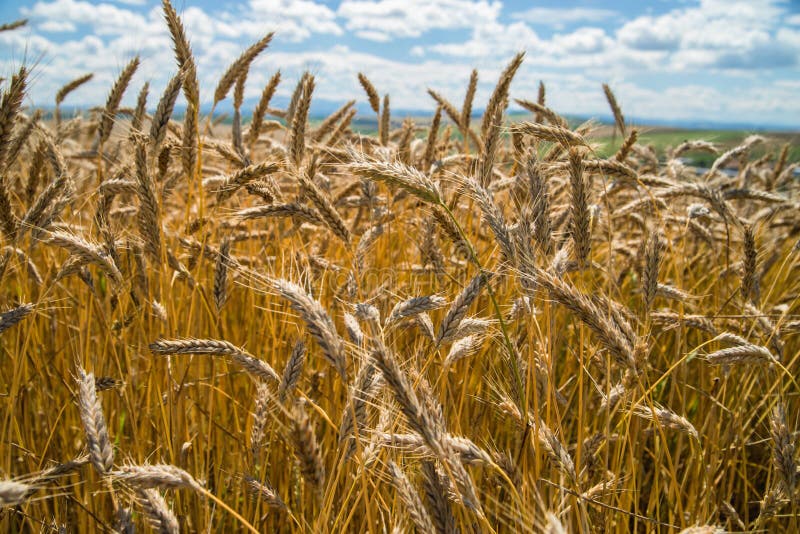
(661, 139)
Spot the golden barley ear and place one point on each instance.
(101, 452)
(499, 98)
(239, 67)
(13, 25)
(372, 93)
(114, 99)
(619, 119)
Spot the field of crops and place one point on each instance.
(483, 325)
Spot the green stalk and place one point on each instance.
(521, 403)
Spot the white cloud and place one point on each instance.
(370, 35)
(55, 26)
(301, 18)
(582, 41)
(715, 34)
(412, 18)
(491, 39)
(105, 19)
(560, 17)
(295, 20)
(789, 36)
(648, 33)
(737, 42)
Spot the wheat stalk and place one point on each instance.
(783, 456)
(14, 493)
(158, 126)
(307, 449)
(499, 99)
(459, 306)
(261, 108)
(414, 306)
(318, 322)
(239, 66)
(293, 370)
(159, 515)
(214, 347)
(297, 143)
(13, 316)
(619, 119)
(114, 99)
(416, 510)
(101, 452)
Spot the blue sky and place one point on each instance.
(712, 60)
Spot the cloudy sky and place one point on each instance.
(713, 60)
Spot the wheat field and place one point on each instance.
(274, 325)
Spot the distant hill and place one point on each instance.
(321, 108)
